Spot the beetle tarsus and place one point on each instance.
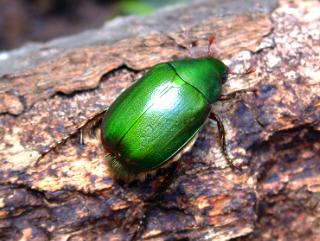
(222, 140)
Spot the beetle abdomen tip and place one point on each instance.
(119, 171)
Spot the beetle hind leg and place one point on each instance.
(222, 140)
(82, 128)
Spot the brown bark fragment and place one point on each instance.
(273, 133)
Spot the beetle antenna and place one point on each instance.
(211, 41)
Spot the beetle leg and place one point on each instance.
(234, 94)
(167, 181)
(222, 139)
(90, 123)
(250, 70)
(154, 199)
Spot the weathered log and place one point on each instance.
(48, 90)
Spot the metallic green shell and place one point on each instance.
(158, 115)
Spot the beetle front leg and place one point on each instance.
(234, 94)
(242, 91)
(222, 140)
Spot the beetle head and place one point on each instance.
(224, 77)
(221, 69)
(204, 74)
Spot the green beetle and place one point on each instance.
(156, 118)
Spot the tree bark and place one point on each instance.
(47, 91)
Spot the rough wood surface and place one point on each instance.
(48, 90)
